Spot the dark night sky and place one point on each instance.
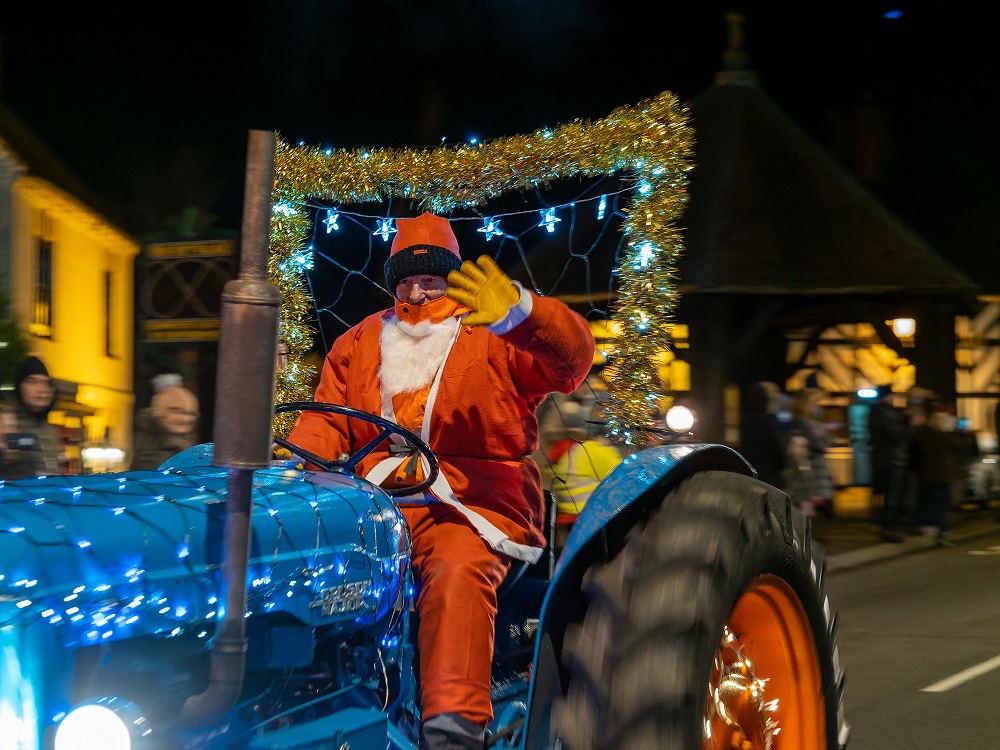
(150, 104)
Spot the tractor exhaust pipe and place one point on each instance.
(244, 413)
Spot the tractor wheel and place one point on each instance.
(711, 629)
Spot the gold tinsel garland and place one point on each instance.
(651, 142)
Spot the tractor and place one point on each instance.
(233, 600)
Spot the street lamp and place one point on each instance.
(904, 328)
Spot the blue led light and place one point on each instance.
(645, 187)
(491, 228)
(304, 259)
(549, 219)
(892, 14)
(644, 255)
(331, 221)
(385, 228)
(16, 529)
(602, 207)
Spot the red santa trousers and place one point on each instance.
(458, 575)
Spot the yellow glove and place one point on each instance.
(485, 289)
(278, 453)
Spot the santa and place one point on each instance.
(463, 359)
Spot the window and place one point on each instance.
(109, 314)
(41, 324)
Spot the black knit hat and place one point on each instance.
(417, 260)
(30, 366)
(424, 245)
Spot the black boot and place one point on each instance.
(451, 732)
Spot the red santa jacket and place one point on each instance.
(482, 422)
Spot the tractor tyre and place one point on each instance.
(711, 629)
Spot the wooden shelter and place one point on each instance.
(780, 237)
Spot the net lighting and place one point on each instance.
(651, 142)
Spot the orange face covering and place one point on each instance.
(435, 311)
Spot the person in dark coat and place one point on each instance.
(761, 442)
(936, 458)
(32, 447)
(889, 435)
(166, 427)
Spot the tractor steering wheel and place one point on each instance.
(349, 466)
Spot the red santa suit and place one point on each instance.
(471, 394)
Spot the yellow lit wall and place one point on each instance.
(84, 247)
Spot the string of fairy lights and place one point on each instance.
(650, 144)
(147, 567)
(495, 233)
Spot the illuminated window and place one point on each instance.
(109, 314)
(41, 323)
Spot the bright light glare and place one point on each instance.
(904, 326)
(867, 393)
(680, 418)
(92, 728)
(103, 454)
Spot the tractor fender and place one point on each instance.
(628, 494)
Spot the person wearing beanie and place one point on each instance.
(34, 446)
(463, 359)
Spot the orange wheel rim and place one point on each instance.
(765, 692)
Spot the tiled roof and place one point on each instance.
(772, 213)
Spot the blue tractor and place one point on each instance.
(228, 600)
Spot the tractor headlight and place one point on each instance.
(103, 724)
(680, 419)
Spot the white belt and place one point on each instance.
(441, 491)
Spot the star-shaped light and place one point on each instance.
(331, 221)
(491, 228)
(549, 219)
(602, 207)
(385, 228)
(645, 254)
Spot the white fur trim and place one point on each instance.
(412, 353)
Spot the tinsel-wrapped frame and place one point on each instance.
(651, 142)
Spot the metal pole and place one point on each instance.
(244, 410)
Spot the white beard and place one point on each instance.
(412, 353)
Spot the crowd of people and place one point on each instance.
(916, 450)
(31, 446)
(918, 459)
